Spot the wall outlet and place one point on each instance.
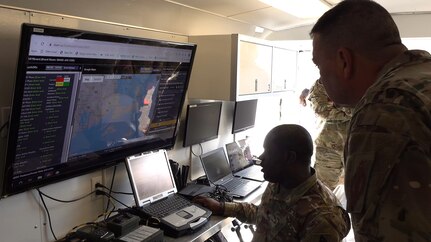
(94, 181)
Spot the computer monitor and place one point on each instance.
(244, 115)
(86, 100)
(202, 122)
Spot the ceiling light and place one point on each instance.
(299, 8)
(259, 29)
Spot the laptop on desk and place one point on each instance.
(218, 172)
(242, 166)
(156, 195)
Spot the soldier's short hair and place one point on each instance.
(293, 137)
(343, 26)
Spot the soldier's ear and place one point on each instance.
(344, 62)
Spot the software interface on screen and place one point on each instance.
(84, 97)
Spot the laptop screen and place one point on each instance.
(150, 176)
(245, 147)
(237, 159)
(215, 164)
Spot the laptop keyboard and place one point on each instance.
(166, 206)
(235, 184)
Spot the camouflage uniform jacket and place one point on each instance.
(329, 143)
(388, 154)
(324, 107)
(309, 212)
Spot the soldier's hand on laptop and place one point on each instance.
(215, 206)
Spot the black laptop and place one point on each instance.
(156, 195)
(241, 162)
(218, 172)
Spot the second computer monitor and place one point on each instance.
(202, 122)
(244, 115)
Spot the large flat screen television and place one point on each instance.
(202, 122)
(244, 115)
(85, 100)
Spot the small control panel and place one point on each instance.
(122, 223)
(123, 227)
(95, 233)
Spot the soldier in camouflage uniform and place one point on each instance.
(334, 121)
(388, 149)
(295, 205)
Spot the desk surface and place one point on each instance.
(216, 223)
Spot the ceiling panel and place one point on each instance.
(396, 6)
(272, 19)
(257, 13)
(224, 7)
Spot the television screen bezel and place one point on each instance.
(187, 123)
(82, 167)
(235, 117)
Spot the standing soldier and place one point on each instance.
(334, 122)
(363, 64)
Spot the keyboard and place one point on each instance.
(166, 206)
(235, 184)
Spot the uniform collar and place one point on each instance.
(406, 58)
(402, 59)
(292, 195)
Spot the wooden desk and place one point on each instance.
(216, 223)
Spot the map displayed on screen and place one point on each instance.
(112, 115)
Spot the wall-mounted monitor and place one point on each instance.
(202, 122)
(244, 115)
(85, 100)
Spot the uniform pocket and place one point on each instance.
(357, 174)
(370, 160)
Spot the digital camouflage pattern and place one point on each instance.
(334, 122)
(309, 212)
(388, 154)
